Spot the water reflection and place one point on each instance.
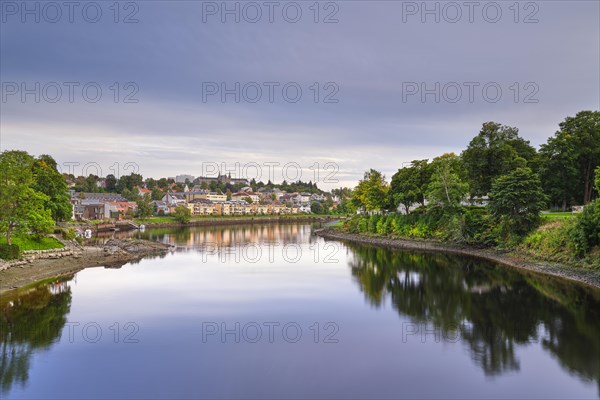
(230, 236)
(491, 309)
(31, 321)
(495, 312)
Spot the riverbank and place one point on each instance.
(113, 254)
(116, 252)
(510, 259)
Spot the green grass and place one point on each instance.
(29, 243)
(91, 222)
(336, 224)
(552, 242)
(558, 216)
(154, 220)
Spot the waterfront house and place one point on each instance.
(214, 196)
(317, 197)
(304, 208)
(242, 196)
(144, 191)
(174, 199)
(203, 207)
(161, 207)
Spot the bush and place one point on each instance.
(586, 232)
(477, 226)
(380, 227)
(362, 225)
(373, 220)
(10, 252)
(552, 240)
(182, 214)
(397, 225)
(351, 225)
(68, 234)
(387, 227)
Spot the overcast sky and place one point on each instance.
(370, 61)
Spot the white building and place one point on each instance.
(242, 196)
(174, 199)
(183, 178)
(304, 208)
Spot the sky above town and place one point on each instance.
(318, 91)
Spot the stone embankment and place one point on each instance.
(36, 265)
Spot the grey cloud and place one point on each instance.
(368, 54)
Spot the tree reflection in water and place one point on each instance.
(490, 309)
(30, 321)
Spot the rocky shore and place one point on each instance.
(588, 277)
(43, 264)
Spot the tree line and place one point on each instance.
(498, 169)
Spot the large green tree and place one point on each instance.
(495, 151)
(50, 182)
(573, 154)
(371, 192)
(559, 171)
(447, 190)
(21, 207)
(182, 214)
(87, 184)
(516, 200)
(157, 194)
(409, 185)
(145, 208)
(110, 183)
(316, 208)
(129, 182)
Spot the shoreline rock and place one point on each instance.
(48, 264)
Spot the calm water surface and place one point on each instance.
(271, 311)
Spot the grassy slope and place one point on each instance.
(557, 216)
(28, 243)
(550, 243)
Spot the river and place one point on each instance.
(273, 311)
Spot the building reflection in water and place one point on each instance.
(231, 236)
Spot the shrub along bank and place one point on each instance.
(571, 241)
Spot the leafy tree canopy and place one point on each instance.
(409, 185)
(371, 192)
(145, 207)
(516, 201)
(21, 206)
(182, 214)
(571, 156)
(49, 181)
(447, 190)
(495, 151)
